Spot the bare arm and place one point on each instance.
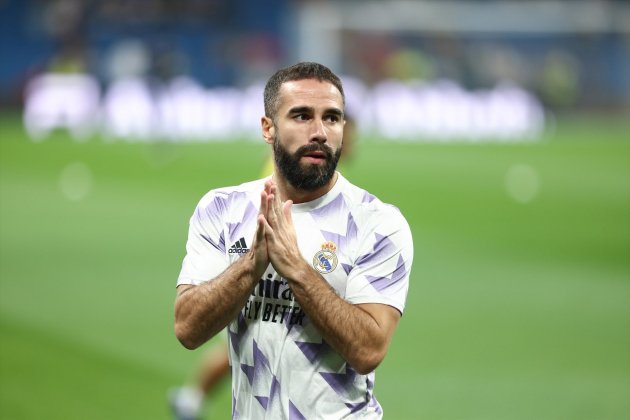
(202, 311)
(359, 333)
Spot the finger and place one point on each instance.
(267, 229)
(259, 247)
(270, 201)
(268, 185)
(259, 235)
(266, 206)
(277, 205)
(272, 214)
(260, 231)
(273, 189)
(263, 203)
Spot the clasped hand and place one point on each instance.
(275, 241)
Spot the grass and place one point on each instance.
(515, 311)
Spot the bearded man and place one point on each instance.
(308, 272)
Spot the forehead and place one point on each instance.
(310, 93)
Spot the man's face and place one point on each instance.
(306, 176)
(307, 133)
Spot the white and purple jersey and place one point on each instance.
(281, 366)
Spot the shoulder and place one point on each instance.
(370, 209)
(224, 197)
(221, 204)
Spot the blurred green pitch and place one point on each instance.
(515, 311)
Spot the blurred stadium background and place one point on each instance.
(500, 128)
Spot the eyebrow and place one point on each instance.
(300, 110)
(308, 109)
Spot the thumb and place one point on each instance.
(260, 230)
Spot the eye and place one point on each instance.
(333, 118)
(300, 117)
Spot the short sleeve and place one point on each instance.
(205, 249)
(383, 265)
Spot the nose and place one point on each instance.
(318, 131)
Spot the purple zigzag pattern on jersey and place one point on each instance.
(340, 382)
(372, 403)
(260, 360)
(264, 401)
(273, 394)
(235, 229)
(294, 413)
(249, 372)
(217, 245)
(260, 364)
(343, 241)
(236, 196)
(235, 337)
(346, 267)
(217, 206)
(369, 380)
(234, 413)
(290, 326)
(356, 407)
(367, 197)
(313, 351)
(375, 404)
(336, 206)
(222, 242)
(382, 283)
(214, 209)
(382, 249)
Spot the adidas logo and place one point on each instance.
(239, 247)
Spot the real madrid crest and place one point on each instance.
(325, 260)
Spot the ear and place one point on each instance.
(268, 129)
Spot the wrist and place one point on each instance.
(256, 267)
(301, 273)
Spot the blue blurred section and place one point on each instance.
(239, 42)
(24, 47)
(212, 41)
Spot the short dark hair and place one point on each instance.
(299, 71)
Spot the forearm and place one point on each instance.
(204, 310)
(351, 331)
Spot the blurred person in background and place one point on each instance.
(187, 402)
(311, 304)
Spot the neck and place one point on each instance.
(288, 192)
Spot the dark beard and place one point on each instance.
(309, 177)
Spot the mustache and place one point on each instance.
(314, 147)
